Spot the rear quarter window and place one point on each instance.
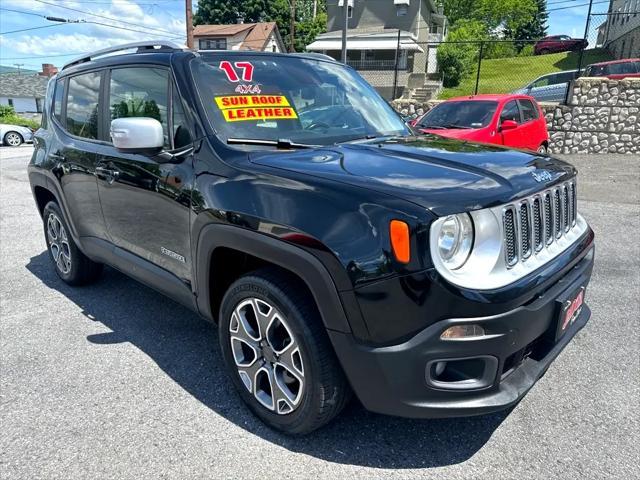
(529, 110)
(82, 105)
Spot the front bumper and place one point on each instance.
(396, 379)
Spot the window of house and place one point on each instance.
(82, 105)
(510, 112)
(38, 105)
(529, 111)
(10, 102)
(213, 44)
(140, 92)
(401, 10)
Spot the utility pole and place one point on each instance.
(19, 65)
(586, 32)
(315, 9)
(292, 47)
(189, 21)
(345, 25)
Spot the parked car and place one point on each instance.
(615, 69)
(14, 135)
(512, 120)
(430, 277)
(551, 87)
(559, 43)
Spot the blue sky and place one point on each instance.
(133, 20)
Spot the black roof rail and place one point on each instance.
(141, 47)
(321, 56)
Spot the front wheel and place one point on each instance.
(278, 354)
(13, 139)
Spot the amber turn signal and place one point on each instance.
(399, 233)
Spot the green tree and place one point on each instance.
(308, 30)
(534, 29)
(457, 60)
(221, 12)
(492, 13)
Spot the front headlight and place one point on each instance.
(455, 240)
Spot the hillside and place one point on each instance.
(503, 75)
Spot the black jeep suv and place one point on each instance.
(280, 197)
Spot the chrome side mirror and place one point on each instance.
(137, 133)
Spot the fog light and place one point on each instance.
(458, 332)
(439, 368)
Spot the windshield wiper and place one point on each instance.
(365, 137)
(432, 127)
(280, 143)
(453, 125)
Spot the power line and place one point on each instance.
(105, 17)
(576, 6)
(32, 28)
(21, 11)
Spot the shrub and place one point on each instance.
(499, 50)
(527, 51)
(6, 110)
(14, 119)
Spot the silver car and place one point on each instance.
(551, 87)
(14, 135)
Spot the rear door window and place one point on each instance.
(82, 105)
(529, 111)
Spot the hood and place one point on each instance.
(459, 133)
(442, 175)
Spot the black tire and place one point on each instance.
(543, 149)
(79, 270)
(544, 51)
(326, 390)
(9, 136)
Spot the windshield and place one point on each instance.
(459, 114)
(275, 97)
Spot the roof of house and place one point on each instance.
(257, 36)
(23, 85)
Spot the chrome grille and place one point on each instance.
(548, 219)
(525, 230)
(510, 236)
(536, 222)
(557, 213)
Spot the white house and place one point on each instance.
(25, 92)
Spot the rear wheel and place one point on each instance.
(544, 51)
(70, 263)
(278, 354)
(543, 149)
(13, 139)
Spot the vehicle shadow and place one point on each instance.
(185, 347)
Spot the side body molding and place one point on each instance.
(278, 252)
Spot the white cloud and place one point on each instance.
(151, 22)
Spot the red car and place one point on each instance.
(615, 69)
(512, 120)
(558, 43)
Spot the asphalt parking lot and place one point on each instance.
(116, 381)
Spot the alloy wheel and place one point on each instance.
(59, 243)
(13, 139)
(267, 355)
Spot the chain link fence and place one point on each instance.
(542, 68)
